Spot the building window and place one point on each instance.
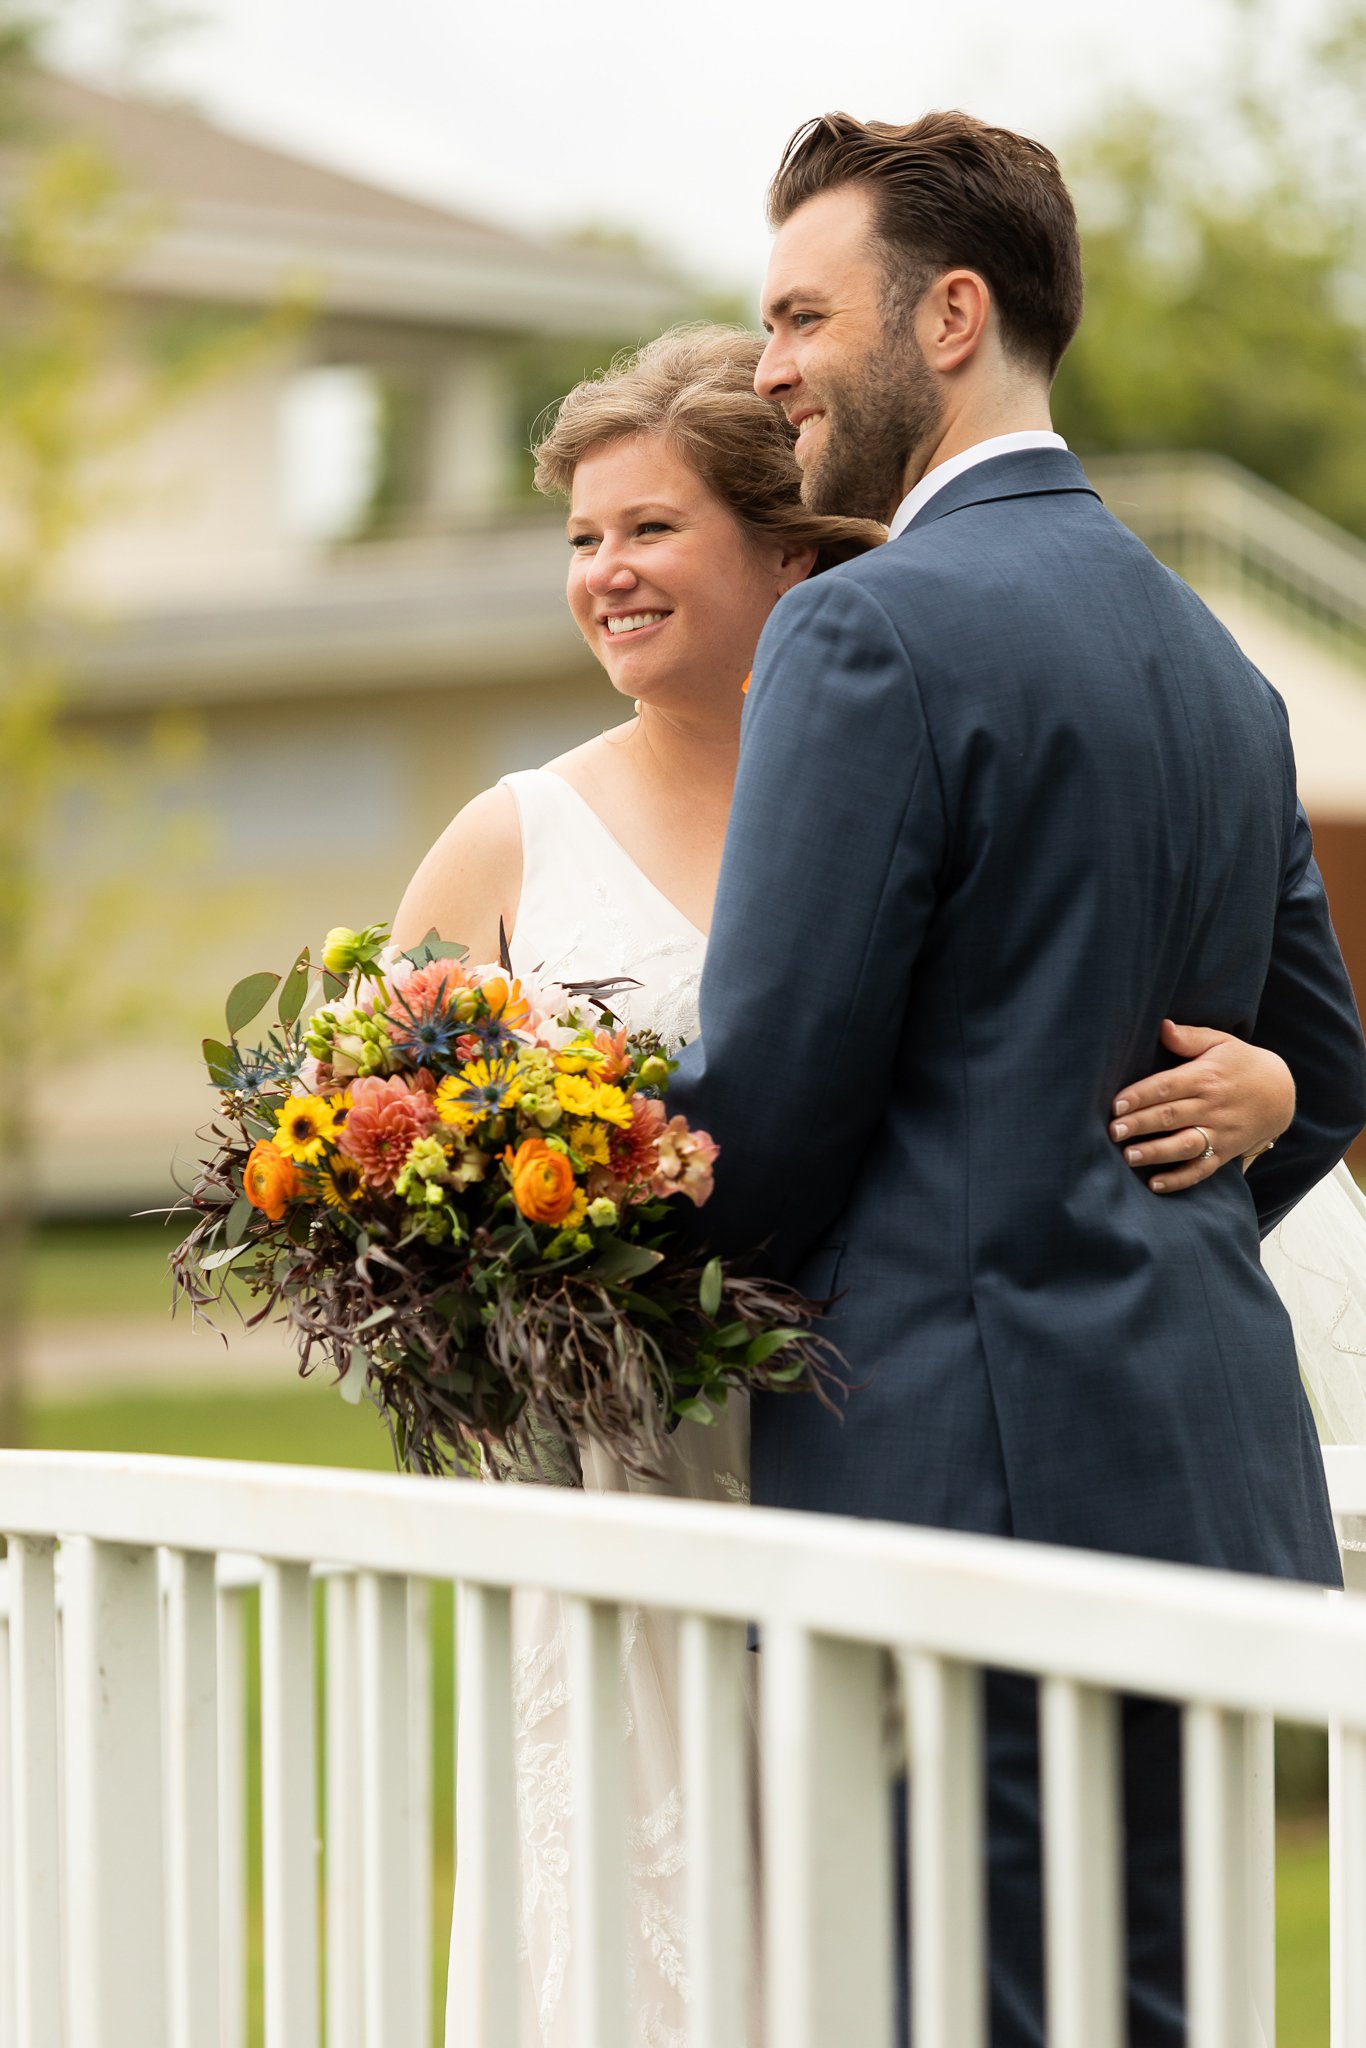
(332, 451)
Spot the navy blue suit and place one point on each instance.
(1008, 796)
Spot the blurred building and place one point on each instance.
(328, 559)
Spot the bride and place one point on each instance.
(685, 529)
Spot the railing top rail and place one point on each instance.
(1114, 1622)
(1216, 500)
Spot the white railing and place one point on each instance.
(123, 1762)
(1220, 526)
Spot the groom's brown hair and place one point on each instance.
(950, 192)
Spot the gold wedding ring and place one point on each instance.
(1208, 1152)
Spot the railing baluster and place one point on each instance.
(1215, 1798)
(191, 1692)
(1082, 1835)
(487, 1873)
(8, 1987)
(948, 1855)
(1261, 1871)
(288, 1822)
(345, 1936)
(382, 1611)
(827, 1811)
(715, 1802)
(35, 1854)
(232, 1818)
(1347, 1885)
(420, 1802)
(115, 1865)
(600, 1898)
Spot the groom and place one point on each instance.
(1008, 797)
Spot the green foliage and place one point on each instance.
(1223, 266)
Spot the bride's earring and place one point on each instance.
(637, 707)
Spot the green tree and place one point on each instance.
(82, 379)
(1224, 260)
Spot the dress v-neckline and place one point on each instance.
(610, 836)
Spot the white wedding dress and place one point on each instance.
(588, 912)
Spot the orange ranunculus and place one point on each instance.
(508, 1005)
(269, 1180)
(542, 1182)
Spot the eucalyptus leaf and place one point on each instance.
(224, 1258)
(618, 1262)
(763, 1348)
(239, 1216)
(694, 1411)
(221, 1062)
(709, 1287)
(730, 1334)
(376, 1317)
(334, 985)
(434, 947)
(248, 999)
(294, 990)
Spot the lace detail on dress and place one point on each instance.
(587, 912)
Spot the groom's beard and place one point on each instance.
(874, 423)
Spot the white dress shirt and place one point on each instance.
(945, 472)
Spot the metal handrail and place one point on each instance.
(1219, 525)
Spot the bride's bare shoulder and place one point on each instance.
(469, 879)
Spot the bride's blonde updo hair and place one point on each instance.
(695, 386)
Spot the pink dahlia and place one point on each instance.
(385, 1118)
(634, 1154)
(685, 1165)
(430, 991)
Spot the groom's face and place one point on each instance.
(849, 375)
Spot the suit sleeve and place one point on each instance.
(836, 838)
(1308, 1015)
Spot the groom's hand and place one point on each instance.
(1229, 1100)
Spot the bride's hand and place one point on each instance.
(1241, 1095)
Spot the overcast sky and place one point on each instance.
(666, 118)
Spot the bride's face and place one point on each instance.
(664, 584)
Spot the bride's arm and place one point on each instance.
(1241, 1095)
(471, 878)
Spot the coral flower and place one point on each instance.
(616, 1060)
(385, 1118)
(635, 1152)
(686, 1159)
(305, 1123)
(270, 1181)
(542, 1182)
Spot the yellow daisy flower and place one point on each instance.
(611, 1106)
(480, 1090)
(576, 1212)
(340, 1182)
(304, 1126)
(580, 1056)
(589, 1140)
(575, 1094)
(340, 1106)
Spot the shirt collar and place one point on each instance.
(945, 472)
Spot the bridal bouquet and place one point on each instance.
(461, 1191)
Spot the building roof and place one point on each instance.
(249, 222)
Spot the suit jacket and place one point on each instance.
(1008, 796)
